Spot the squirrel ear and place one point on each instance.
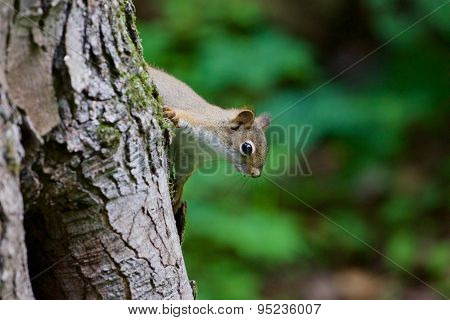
(264, 120)
(244, 117)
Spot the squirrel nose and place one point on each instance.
(255, 172)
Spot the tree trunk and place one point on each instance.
(94, 177)
(14, 279)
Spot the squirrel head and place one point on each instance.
(245, 141)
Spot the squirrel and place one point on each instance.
(203, 129)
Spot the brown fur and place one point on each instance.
(223, 130)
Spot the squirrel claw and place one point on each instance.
(171, 114)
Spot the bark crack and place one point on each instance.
(128, 294)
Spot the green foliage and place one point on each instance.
(401, 247)
(377, 149)
(201, 44)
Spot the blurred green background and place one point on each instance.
(378, 150)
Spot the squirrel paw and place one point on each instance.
(171, 114)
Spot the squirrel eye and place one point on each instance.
(247, 148)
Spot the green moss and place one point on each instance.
(136, 93)
(143, 95)
(140, 92)
(139, 89)
(109, 135)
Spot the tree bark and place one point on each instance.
(14, 279)
(94, 176)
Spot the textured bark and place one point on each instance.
(99, 222)
(14, 279)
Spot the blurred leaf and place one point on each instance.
(401, 248)
(268, 237)
(439, 19)
(226, 279)
(348, 231)
(399, 210)
(255, 63)
(439, 259)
